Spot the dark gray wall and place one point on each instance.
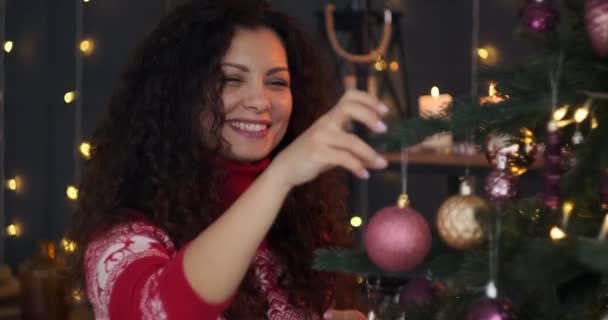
(39, 125)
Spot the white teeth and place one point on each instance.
(252, 127)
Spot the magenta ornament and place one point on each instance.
(552, 191)
(501, 186)
(417, 292)
(397, 239)
(553, 170)
(539, 16)
(596, 22)
(490, 309)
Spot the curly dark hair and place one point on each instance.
(148, 153)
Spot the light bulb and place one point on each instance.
(8, 46)
(87, 46)
(13, 230)
(483, 53)
(581, 114)
(12, 184)
(394, 66)
(72, 192)
(557, 233)
(560, 113)
(85, 150)
(69, 96)
(356, 221)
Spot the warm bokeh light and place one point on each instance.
(594, 123)
(87, 46)
(8, 46)
(604, 230)
(72, 192)
(557, 233)
(581, 114)
(77, 294)
(567, 208)
(68, 246)
(69, 96)
(356, 221)
(85, 150)
(13, 230)
(12, 184)
(560, 113)
(394, 66)
(488, 55)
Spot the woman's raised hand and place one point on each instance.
(328, 143)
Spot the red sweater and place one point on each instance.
(134, 272)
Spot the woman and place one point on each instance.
(210, 183)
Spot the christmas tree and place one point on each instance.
(505, 257)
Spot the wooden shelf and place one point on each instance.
(448, 159)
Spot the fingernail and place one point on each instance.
(382, 108)
(365, 174)
(381, 127)
(381, 162)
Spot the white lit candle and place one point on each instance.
(435, 105)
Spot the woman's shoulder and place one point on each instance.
(134, 235)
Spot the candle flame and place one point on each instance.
(435, 92)
(557, 233)
(492, 92)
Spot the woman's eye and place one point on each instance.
(280, 83)
(232, 79)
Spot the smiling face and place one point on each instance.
(256, 94)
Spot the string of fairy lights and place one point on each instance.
(84, 47)
(6, 47)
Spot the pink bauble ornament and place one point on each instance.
(490, 309)
(397, 238)
(501, 186)
(539, 16)
(596, 22)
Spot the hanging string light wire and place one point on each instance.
(2, 135)
(78, 77)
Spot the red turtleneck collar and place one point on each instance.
(238, 177)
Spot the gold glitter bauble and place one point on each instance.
(520, 150)
(457, 221)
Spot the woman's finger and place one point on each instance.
(349, 110)
(353, 144)
(346, 160)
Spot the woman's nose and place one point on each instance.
(257, 98)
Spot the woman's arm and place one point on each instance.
(216, 261)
